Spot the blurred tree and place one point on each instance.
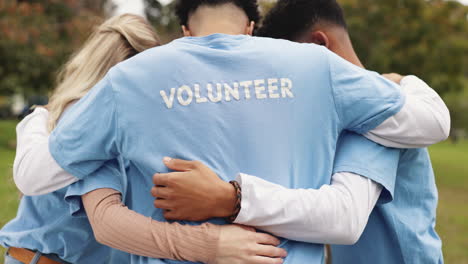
(164, 19)
(97, 6)
(265, 5)
(37, 36)
(458, 104)
(428, 38)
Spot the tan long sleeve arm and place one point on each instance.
(117, 226)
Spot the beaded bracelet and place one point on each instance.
(237, 207)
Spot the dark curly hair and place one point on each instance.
(184, 8)
(288, 19)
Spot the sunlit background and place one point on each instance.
(428, 38)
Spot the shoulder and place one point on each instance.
(353, 143)
(157, 59)
(155, 55)
(40, 111)
(286, 46)
(37, 118)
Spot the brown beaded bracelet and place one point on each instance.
(237, 207)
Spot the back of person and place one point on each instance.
(238, 103)
(43, 223)
(259, 132)
(402, 231)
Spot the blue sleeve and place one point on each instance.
(86, 135)
(363, 99)
(361, 156)
(109, 176)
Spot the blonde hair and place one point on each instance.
(116, 40)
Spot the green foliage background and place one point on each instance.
(428, 38)
(36, 39)
(425, 38)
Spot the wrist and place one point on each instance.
(226, 200)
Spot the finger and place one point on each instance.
(160, 192)
(162, 204)
(161, 179)
(266, 239)
(180, 165)
(270, 251)
(388, 76)
(248, 228)
(265, 260)
(391, 78)
(171, 215)
(165, 179)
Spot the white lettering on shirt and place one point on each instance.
(199, 98)
(189, 93)
(286, 86)
(169, 101)
(234, 92)
(246, 86)
(219, 94)
(259, 88)
(272, 88)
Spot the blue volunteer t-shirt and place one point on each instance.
(402, 231)
(359, 155)
(236, 103)
(45, 223)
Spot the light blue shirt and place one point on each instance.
(237, 103)
(359, 155)
(45, 223)
(402, 231)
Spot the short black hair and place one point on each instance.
(288, 19)
(184, 8)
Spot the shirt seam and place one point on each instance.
(84, 190)
(116, 111)
(397, 103)
(351, 168)
(76, 172)
(387, 186)
(330, 80)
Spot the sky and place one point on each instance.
(131, 6)
(136, 6)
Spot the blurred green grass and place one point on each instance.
(450, 163)
(8, 192)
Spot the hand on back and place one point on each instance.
(394, 77)
(194, 192)
(243, 245)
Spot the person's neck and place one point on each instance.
(219, 27)
(347, 52)
(211, 32)
(223, 19)
(341, 44)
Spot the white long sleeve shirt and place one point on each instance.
(34, 170)
(423, 120)
(333, 214)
